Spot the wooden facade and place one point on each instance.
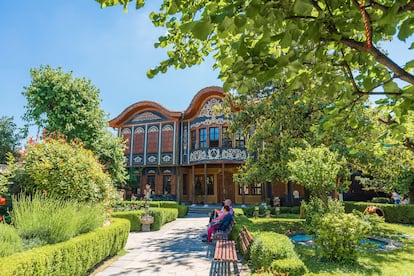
(188, 156)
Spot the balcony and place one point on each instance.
(218, 154)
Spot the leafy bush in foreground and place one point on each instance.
(339, 236)
(10, 242)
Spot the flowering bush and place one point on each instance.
(67, 170)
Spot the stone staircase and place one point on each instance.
(202, 210)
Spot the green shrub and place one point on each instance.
(381, 200)
(74, 257)
(161, 217)
(67, 170)
(393, 213)
(182, 211)
(10, 242)
(291, 267)
(316, 208)
(267, 247)
(140, 205)
(46, 220)
(133, 217)
(339, 235)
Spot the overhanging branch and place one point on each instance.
(380, 58)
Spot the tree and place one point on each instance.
(328, 46)
(317, 169)
(57, 102)
(274, 122)
(9, 138)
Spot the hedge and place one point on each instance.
(249, 210)
(182, 211)
(393, 213)
(138, 204)
(270, 252)
(161, 217)
(269, 246)
(74, 257)
(291, 267)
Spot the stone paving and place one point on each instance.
(176, 249)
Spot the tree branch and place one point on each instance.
(349, 71)
(380, 58)
(389, 121)
(374, 4)
(377, 93)
(408, 7)
(409, 144)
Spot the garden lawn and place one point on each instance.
(395, 262)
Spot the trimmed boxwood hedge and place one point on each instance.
(74, 257)
(132, 216)
(269, 246)
(291, 267)
(161, 217)
(271, 252)
(393, 213)
(182, 210)
(249, 210)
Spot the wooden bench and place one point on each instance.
(223, 234)
(225, 254)
(245, 240)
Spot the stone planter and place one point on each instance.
(146, 222)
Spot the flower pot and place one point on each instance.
(146, 221)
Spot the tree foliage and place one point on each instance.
(330, 57)
(274, 122)
(317, 169)
(9, 138)
(58, 102)
(66, 170)
(324, 46)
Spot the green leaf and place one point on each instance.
(240, 20)
(286, 40)
(391, 87)
(408, 92)
(409, 65)
(202, 29)
(303, 7)
(188, 27)
(406, 29)
(139, 4)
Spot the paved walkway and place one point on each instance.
(176, 249)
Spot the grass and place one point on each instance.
(395, 262)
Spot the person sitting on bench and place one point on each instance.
(220, 224)
(218, 213)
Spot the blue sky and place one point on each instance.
(111, 48)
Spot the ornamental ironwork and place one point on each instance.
(214, 154)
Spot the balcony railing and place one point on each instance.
(216, 154)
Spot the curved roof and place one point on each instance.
(140, 107)
(200, 97)
(190, 112)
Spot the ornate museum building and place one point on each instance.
(189, 156)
